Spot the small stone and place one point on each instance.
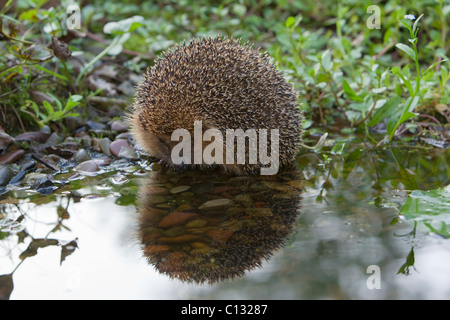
(155, 190)
(203, 187)
(128, 152)
(44, 185)
(245, 199)
(198, 223)
(119, 126)
(176, 218)
(156, 199)
(178, 239)
(217, 203)
(6, 174)
(179, 189)
(258, 212)
(199, 245)
(298, 184)
(33, 136)
(219, 235)
(123, 136)
(104, 145)
(185, 207)
(174, 231)
(46, 129)
(82, 155)
(54, 139)
(5, 140)
(102, 161)
(87, 166)
(27, 164)
(116, 145)
(32, 177)
(95, 125)
(11, 156)
(156, 248)
(61, 152)
(73, 123)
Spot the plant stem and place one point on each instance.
(98, 57)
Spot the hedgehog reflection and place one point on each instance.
(205, 227)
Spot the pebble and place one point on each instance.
(102, 161)
(176, 218)
(87, 166)
(179, 189)
(178, 239)
(119, 126)
(33, 177)
(6, 174)
(82, 155)
(216, 203)
(116, 145)
(54, 139)
(37, 136)
(128, 153)
(122, 149)
(95, 125)
(73, 123)
(155, 190)
(219, 235)
(11, 156)
(44, 186)
(104, 145)
(198, 223)
(5, 140)
(156, 248)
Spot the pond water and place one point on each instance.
(367, 224)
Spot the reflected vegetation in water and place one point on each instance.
(387, 207)
(205, 227)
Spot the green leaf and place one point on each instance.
(350, 93)
(410, 52)
(406, 82)
(430, 207)
(387, 110)
(289, 22)
(406, 25)
(431, 67)
(124, 26)
(406, 116)
(48, 107)
(326, 60)
(415, 28)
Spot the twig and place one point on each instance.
(18, 118)
(35, 157)
(432, 118)
(369, 114)
(383, 51)
(126, 51)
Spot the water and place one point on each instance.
(311, 233)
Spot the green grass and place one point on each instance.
(382, 84)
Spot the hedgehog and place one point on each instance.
(223, 85)
(198, 243)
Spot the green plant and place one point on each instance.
(414, 92)
(49, 113)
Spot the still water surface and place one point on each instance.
(139, 231)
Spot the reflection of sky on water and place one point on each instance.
(314, 264)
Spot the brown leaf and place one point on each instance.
(61, 49)
(33, 136)
(35, 245)
(68, 249)
(6, 286)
